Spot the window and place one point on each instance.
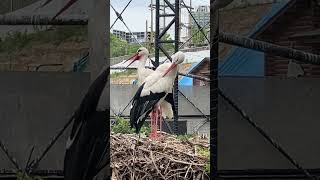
(202, 83)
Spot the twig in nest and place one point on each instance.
(186, 175)
(151, 156)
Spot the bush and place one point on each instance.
(26, 177)
(206, 153)
(185, 137)
(123, 126)
(14, 42)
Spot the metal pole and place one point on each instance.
(190, 26)
(97, 35)
(151, 36)
(269, 48)
(176, 48)
(11, 6)
(214, 54)
(157, 55)
(146, 35)
(164, 12)
(42, 20)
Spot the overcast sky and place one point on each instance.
(138, 12)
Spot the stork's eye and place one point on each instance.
(139, 50)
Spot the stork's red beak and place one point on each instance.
(133, 58)
(170, 68)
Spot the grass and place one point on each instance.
(26, 177)
(122, 126)
(123, 73)
(200, 150)
(185, 137)
(17, 41)
(206, 153)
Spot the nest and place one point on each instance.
(166, 158)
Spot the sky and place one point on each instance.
(138, 12)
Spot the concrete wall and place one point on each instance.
(287, 109)
(198, 125)
(33, 108)
(5, 5)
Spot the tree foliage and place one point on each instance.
(120, 47)
(198, 38)
(117, 46)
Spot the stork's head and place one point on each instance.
(141, 54)
(178, 58)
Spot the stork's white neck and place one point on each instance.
(142, 62)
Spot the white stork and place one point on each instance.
(167, 106)
(88, 143)
(153, 91)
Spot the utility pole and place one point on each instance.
(179, 27)
(151, 36)
(190, 25)
(146, 35)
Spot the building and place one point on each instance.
(277, 23)
(200, 69)
(120, 34)
(294, 24)
(131, 38)
(201, 15)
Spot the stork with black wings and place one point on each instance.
(153, 91)
(167, 106)
(87, 148)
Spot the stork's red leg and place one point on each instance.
(156, 122)
(153, 125)
(160, 118)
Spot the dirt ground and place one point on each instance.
(30, 57)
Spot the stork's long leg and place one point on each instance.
(156, 122)
(160, 118)
(153, 124)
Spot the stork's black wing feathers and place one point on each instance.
(90, 101)
(142, 106)
(89, 138)
(169, 98)
(89, 147)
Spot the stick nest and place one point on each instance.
(166, 158)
